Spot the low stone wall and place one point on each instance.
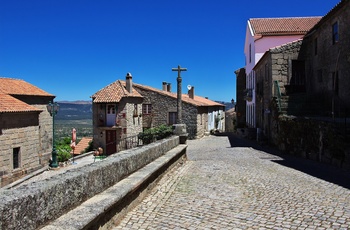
(326, 142)
(33, 205)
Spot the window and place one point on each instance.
(172, 118)
(16, 158)
(135, 110)
(335, 33)
(146, 108)
(250, 53)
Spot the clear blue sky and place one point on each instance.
(73, 48)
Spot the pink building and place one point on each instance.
(262, 34)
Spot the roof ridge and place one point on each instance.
(284, 44)
(287, 17)
(185, 96)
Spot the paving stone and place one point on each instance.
(240, 187)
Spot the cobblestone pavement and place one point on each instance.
(239, 187)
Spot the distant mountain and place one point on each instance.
(228, 105)
(81, 110)
(75, 102)
(74, 110)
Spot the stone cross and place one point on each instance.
(179, 93)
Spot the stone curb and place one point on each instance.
(91, 211)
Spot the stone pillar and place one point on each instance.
(180, 130)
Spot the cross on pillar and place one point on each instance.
(179, 93)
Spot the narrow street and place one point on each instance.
(229, 183)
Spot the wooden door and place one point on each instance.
(111, 142)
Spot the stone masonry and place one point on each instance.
(194, 118)
(31, 206)
(32, 134)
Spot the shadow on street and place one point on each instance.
(320, 170)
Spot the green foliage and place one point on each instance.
(156, 133)
(63, 149)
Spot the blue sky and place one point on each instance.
(73, 48)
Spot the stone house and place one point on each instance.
(307, 76)
(262, 34)
(326, 53)
(277, 73)
(241, 103)
(25, 129)
(200, 115)
(117, 110)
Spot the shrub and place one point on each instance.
(63, 153)
(157, 133)
(63, 149)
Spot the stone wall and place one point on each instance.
(162, 105)
(133, 117)
(322, 141)
(33, 205)
(323, 58)
(241, 103)
(27, 140)
(273, 66)
(32, 134)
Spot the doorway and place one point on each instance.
(111, 115)
(111, 142)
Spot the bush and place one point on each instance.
(63, 149)
(63, 154)
(157, 133)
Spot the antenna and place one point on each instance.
(189, 87)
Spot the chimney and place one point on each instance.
(164, 88)
(169, 87)
(191, 92)
(129, 82)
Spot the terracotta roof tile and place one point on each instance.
(9, 104)
(280, 26)
(113, 92)
(82, 145)
(19, 87)
(197, 101)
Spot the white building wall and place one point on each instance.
(254, 49)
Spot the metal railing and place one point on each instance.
(128, 143)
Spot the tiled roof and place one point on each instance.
(82, 145)
(283, 26)
(113, 93)
(19, 87)
(197, 101)
(9, 104)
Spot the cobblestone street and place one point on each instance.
(240, 187)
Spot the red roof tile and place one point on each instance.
(113, 92)
(82, 145)
(283, 26)
(197, 101)
(9, 104)
(19, 87)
